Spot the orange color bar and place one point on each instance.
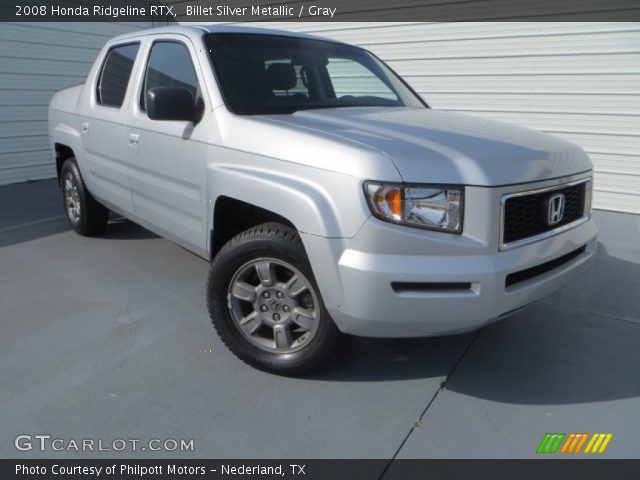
(583, 439)
(567, 442)
(575, 443)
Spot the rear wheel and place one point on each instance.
(86, 216)
(265, 304)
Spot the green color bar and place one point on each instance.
(558, 442)
(543, 443)
(550, 442)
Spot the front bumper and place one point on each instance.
(444, 284)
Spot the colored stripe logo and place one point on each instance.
(574, 443)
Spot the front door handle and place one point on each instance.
(134, 139)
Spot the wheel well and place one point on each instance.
(62, 153)
(232, 216)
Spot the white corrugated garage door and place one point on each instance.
(36, 60)
(580, 81)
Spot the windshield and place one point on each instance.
(261, 74)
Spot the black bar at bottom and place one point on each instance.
(538, 469)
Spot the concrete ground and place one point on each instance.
(108, 338)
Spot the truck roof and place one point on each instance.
(194, 30)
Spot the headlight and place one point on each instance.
(423, 206)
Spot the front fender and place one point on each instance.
(316, 202)
(323, 206)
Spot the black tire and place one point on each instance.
(91, 217)
(280, 243)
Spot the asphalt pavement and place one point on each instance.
(108, 338)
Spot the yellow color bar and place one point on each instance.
(607, 439)
(591, 442)
(596, 442)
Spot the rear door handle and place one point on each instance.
(85, 127)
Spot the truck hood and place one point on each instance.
(430, 146)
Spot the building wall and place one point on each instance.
(36, 60)
(580, 81)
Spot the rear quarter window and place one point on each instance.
(115, 74)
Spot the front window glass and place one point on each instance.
(261, 74)
(169, 65)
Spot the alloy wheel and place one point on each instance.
(274, 305)
(71, 198)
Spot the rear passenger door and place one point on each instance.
(103, 129)
(167, 171)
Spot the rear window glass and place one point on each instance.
(115, 74)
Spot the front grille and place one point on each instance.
(526, 215)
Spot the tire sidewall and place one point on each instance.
(223, 269)
(71, 167)
(93, 216)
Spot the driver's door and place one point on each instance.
(168, 158)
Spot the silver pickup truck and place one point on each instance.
(327, 195)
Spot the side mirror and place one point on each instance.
(173, 103)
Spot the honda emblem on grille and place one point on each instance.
(555, 209)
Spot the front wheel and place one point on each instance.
(265, 305)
